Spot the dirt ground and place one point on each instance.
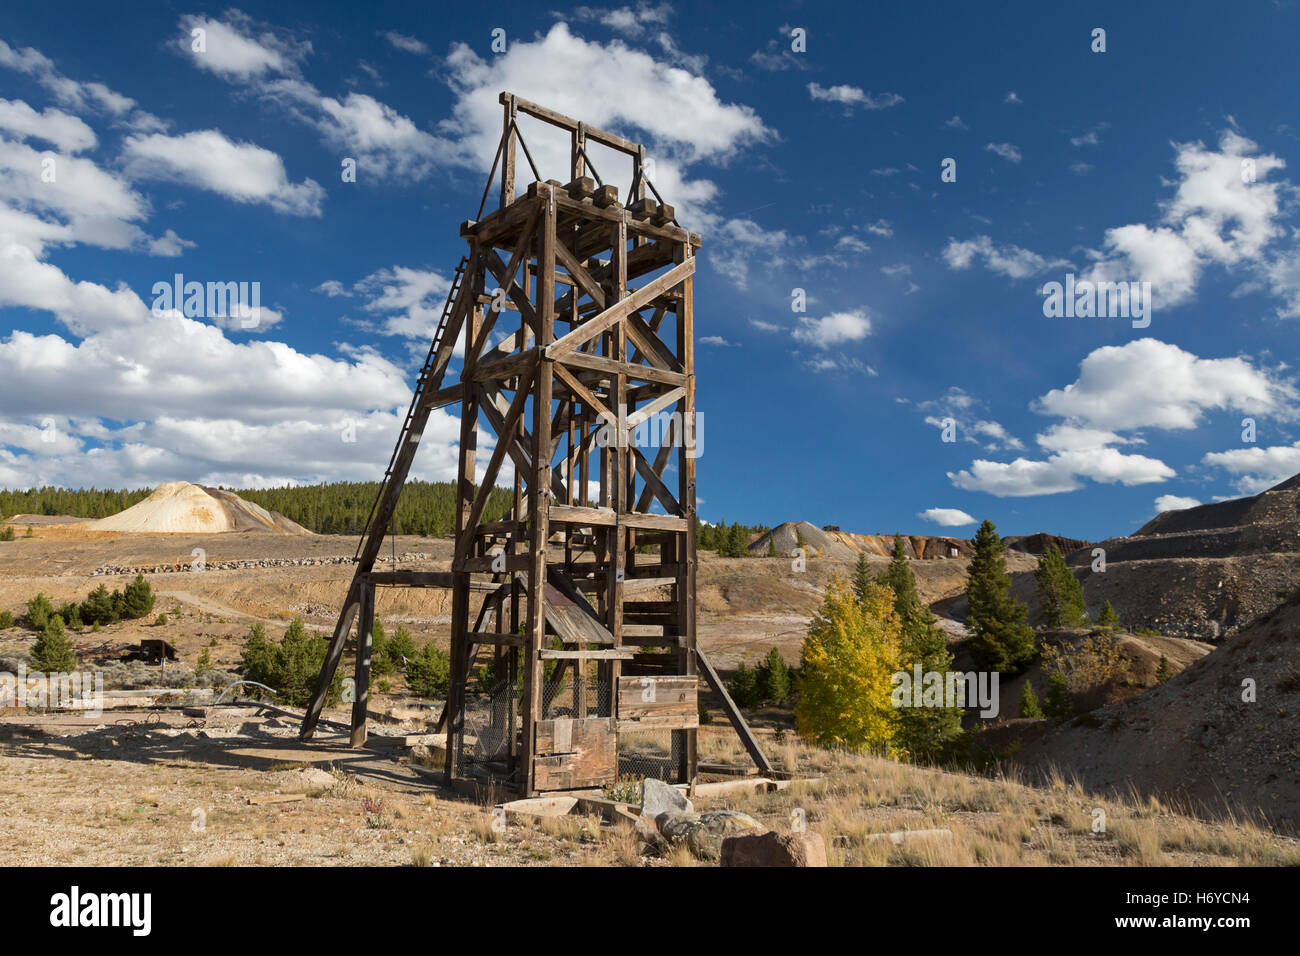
(746, 605)
(237, 789)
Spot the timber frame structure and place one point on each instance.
(587, 611)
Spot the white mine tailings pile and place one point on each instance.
(182, 508)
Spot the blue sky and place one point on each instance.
(1169, 158)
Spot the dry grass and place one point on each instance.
(994, 821)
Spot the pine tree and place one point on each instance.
(1029, 706)
(923, 731)
(428, 673)
(771, 546)
(1057, 704)
(53, 652)
(774, 678)
(862, 578)
(1063, 601)
(98, 608)
(736, 542)
(291, 667)
(1163, 670)
(846, 672)
(381, 663)
(39, 612)
(137, 601)
(1000, 639)
(1108, 619)
(401, 648)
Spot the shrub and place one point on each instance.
(774, 678)
(160, 621)
(428, 673)
(6, 620)
(1029, 706)
(53, 652)
(7, 533)
(743, 687)
(39, 612)
(292, 666)
(1089, 668)
(71, 614)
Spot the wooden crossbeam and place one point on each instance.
(620, 309)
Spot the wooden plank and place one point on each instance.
(270, 798)
(572, 753)
(420, 579)
(607, 518)
(648, 698)
(569, 613)
(641, 373)
(503, 640)
(659, 722)
(604, 654)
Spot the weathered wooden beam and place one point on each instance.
(733, 713)
(614, 313)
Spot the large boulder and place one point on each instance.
(704, 832)
(658, 798)
(774, 849)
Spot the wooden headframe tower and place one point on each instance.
(573, 616)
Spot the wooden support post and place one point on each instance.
(621, 454)
(539, 498)
(465, 492)
(578, 164)
(686, 453)
(361, 680)
(508, 153)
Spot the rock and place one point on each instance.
(658, 798)
(704, 832)
(648, 835)
(774, 849)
